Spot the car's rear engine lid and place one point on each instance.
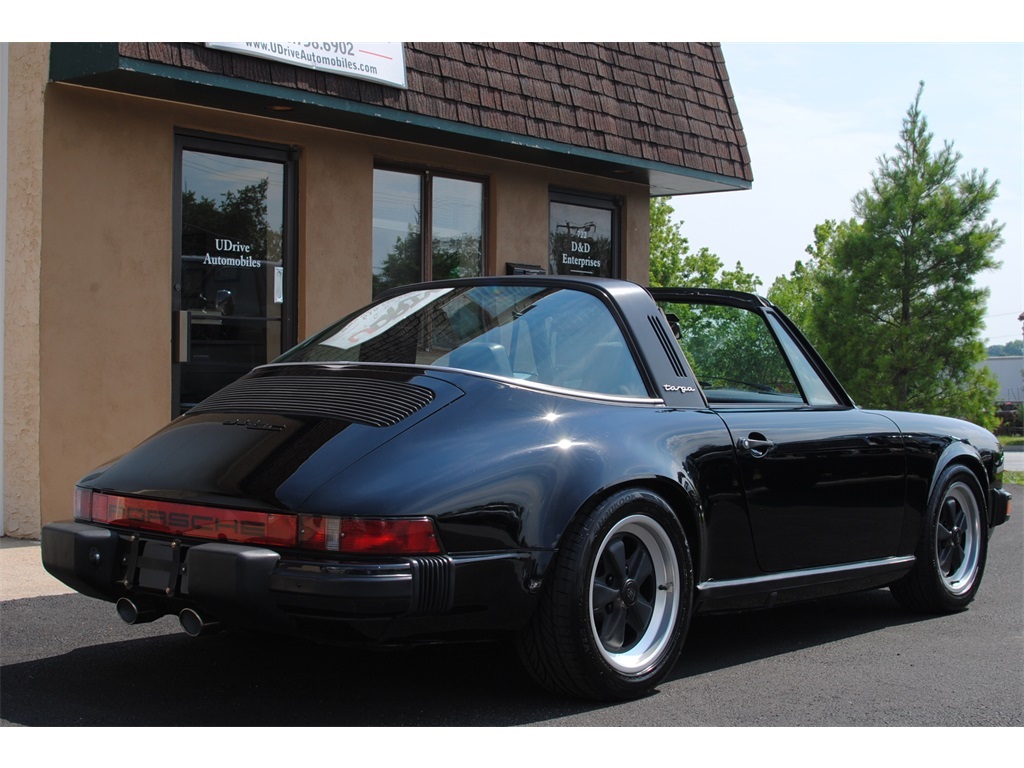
(374, 401)
(268, 440)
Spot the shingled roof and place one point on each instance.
(662, 113)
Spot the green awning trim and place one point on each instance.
(100, 65)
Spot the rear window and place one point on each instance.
(547, 335)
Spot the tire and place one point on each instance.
(953, 547)
(616, 604)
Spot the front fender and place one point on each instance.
(934, 443)
(987, 467)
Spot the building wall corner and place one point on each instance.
(27, 72)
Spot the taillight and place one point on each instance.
(83, 504)
(378, 536)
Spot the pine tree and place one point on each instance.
(899, 315)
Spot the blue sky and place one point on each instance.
(817, 116)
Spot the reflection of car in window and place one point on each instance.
(206, 286)
(579, 464)
(226, 310)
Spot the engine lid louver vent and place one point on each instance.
(373, 402)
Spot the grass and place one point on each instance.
(1014, 478)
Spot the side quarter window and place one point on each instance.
(815, 390)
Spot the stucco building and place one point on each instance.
(175, 213)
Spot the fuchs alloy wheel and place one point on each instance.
(633, 603)
(957, 539)
(954, 545)
(616, 604)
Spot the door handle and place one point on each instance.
(757, 445)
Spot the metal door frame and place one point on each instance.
(288, 156)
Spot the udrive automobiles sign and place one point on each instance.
(379, 62)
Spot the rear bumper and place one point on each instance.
(259, 587)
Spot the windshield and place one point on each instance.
(547, 335)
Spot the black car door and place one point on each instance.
(823, 480)
(823, 486)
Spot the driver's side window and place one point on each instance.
(733, 354)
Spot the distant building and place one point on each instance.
(1010, 373)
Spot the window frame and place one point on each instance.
(426, 175)
(611, 203)
(816, 390)
(288, 156)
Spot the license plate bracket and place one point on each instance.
(155, 565)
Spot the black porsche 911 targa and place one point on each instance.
(582, 464)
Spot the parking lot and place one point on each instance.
(857, 660)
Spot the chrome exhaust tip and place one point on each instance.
(131, 613)
(194, 624)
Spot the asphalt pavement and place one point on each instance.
(854, 660)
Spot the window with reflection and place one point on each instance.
(583, 235)
(533, 334)
(739, 356)
(234, 270)
(426, 226)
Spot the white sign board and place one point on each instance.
(379, 62)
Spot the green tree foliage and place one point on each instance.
(732, 348)
(240, 216)
(403, 265)
(708, 335)
(798, 294)
(668, 246)
(452, 257)
(890, 299)
(1015, 347)
(673, 265)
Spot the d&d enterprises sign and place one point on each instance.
(379, 62)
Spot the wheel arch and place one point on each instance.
(948, 567)
(686, 507)
(578, 641)
(961, 453)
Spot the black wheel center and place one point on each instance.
(630, 592)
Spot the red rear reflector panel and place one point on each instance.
(194, 521)
(373, 536)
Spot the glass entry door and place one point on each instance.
(234, 281)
